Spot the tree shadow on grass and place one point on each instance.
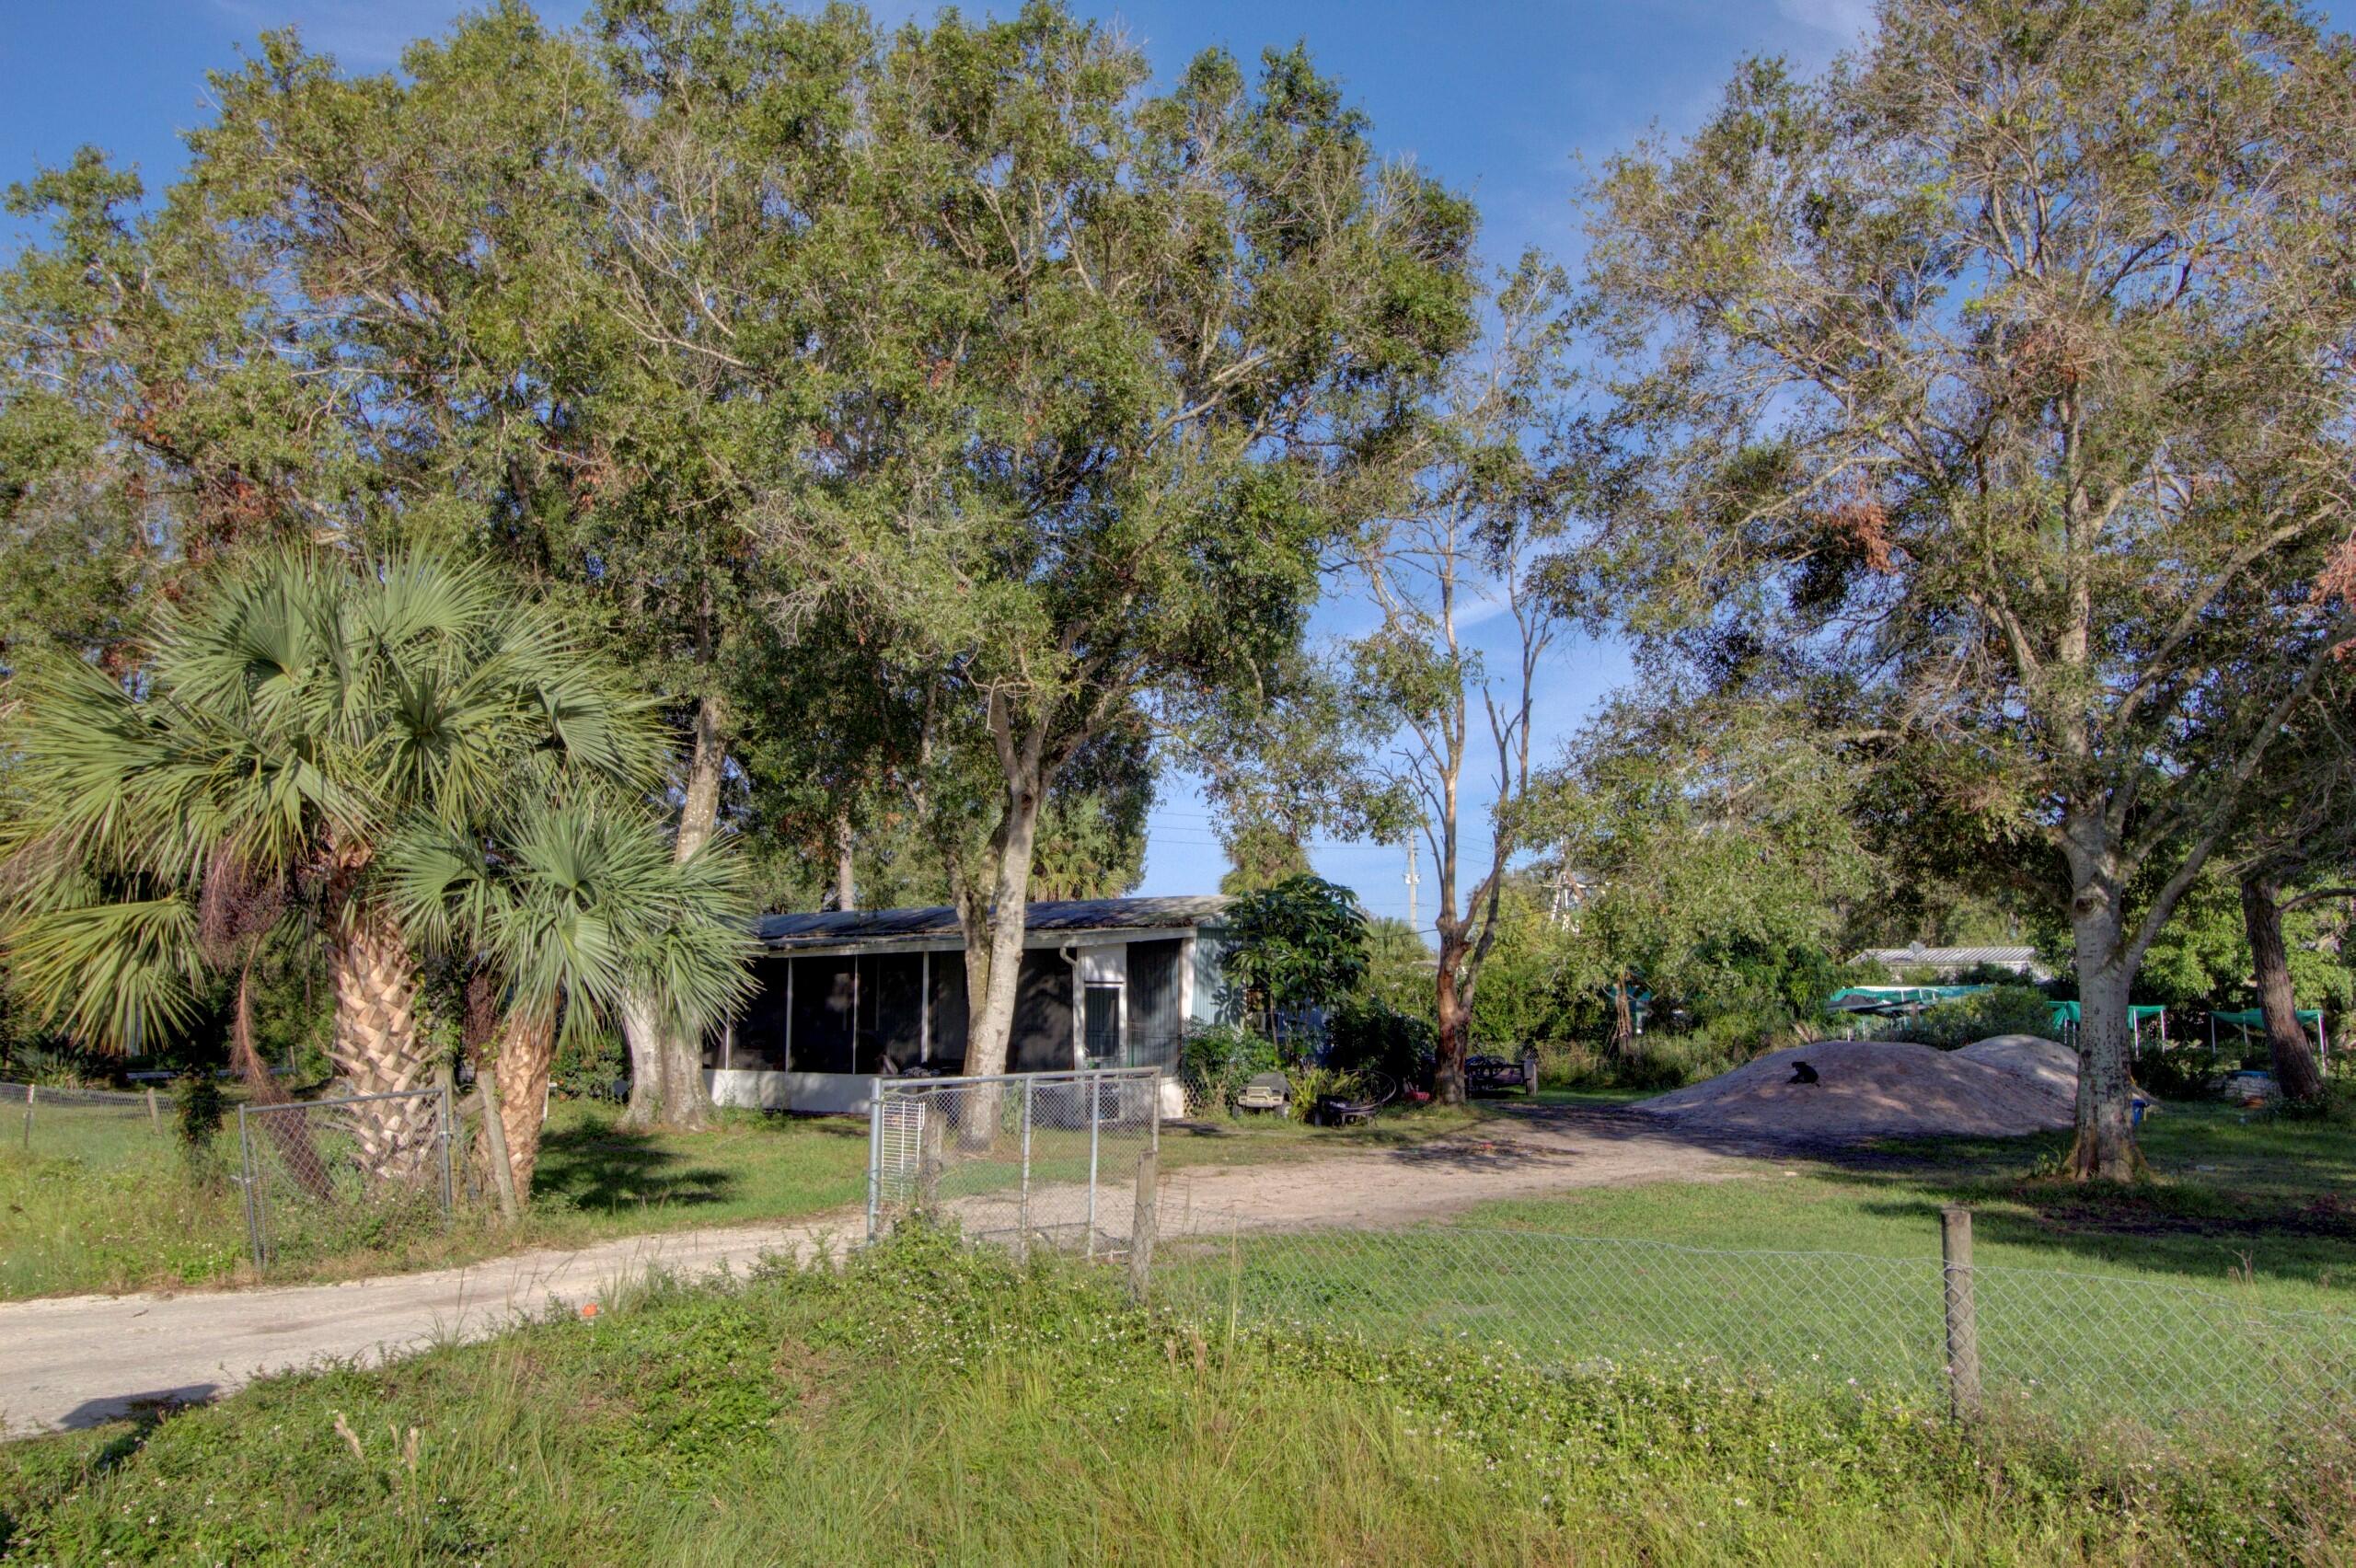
(2223, 1201)
(598, 1167)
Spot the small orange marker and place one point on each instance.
(588, 1309)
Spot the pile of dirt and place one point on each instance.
(1867, 1088)
(2049, 1061)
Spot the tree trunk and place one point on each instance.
(494, 1137)
(1623, 1018)
(1448, 1069)
(845, 879)
(666, 1087)
(527, 1050)
(2105, 1150)
(2295, 1065)
(990, 1006)
(376, 1046)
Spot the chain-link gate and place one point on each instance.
(328, 1176)
(1024, 1160)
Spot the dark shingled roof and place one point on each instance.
(831, 928)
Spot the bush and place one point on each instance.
(593, 1064)
(1219, 1059)
(2180, 1074)
(1311, 1084)
(199, 1108)
(2005, 1010)
(1658, 1063)
(1366, 1035)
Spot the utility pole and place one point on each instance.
(1414, 880)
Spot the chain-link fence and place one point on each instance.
(103, 1126)
(1028, 1159)
(328, 1176)
(1937, 1332)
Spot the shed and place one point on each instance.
(847, 996)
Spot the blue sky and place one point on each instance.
(1501, 100)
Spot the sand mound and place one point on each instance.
(1872, 1089)
(2049, 1062)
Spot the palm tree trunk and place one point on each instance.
(526, 1049)
(376, 1046)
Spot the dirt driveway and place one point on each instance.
(75, 1361)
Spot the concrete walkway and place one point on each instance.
(75, 1361)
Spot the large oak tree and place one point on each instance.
(2005, 371)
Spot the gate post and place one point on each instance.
(1962, 1318)
(1023, 1203)
(874, 1160)
(29, 1118)
(253, 1196)
(155, 1115)
(449, 1160)
(1095, 1083)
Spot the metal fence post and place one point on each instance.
(449, 1160)
(29, 1118)
(1095, 1084)
(1022, 1204)
(1962, 1321)
(247, 1178)
(874, 1160)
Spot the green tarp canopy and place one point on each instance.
(2068, 1012)
(2256, 1018)
(1868, 998)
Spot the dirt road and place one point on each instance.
(74, 1361)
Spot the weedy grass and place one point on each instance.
(927, 1403)
(105, 1203)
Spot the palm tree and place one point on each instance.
(569, 908)
(280, 725)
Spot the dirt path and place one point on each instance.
(72, 1362)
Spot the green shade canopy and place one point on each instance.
(2069, 1013)
(2255, 1018)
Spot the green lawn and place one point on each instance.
(2227, 1284)
(105, 1203)
(930, 1405)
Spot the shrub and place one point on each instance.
(2180, 1074)
(1367, 1035)
(590, 1065)
(1656, 1063)
(1311, 1083)
(199, 1108)
(1219, 1059)
(2004, 1010)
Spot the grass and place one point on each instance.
(2224, 1284)
(928, 1404)
(2235, 1199)
(104, 1202)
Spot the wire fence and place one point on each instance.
(1927, 1329)
(323, 1177)
(98, 1124)
(1026, 1159)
